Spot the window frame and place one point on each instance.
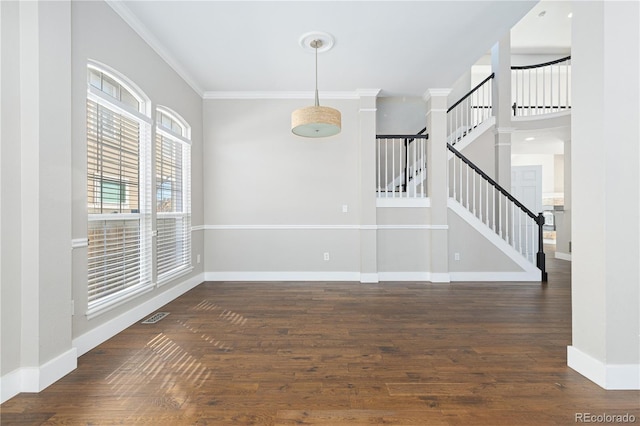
(142, 215)
(183, 141)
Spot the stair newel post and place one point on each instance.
(540, 261)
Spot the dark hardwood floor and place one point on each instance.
(279, 353)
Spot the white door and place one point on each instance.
(526, 187)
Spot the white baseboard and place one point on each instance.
(498, 242)
(103, 332)
(563, 256)
(523, 276)
(282, 276)
(10, 385)
(369, 278)
(326, 276)
(607, 376)
(440, 277)
(35, 379)
(404, 276)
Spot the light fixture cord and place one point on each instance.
(317, 101)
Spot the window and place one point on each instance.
(173, 195)
(118, 191)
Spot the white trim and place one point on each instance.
(282, 227)
(368, 92)
(79, 242)
(522, 276)
(503, 130)
(321, 227)
(197, 228)
(57, 368)
(369, 278)
(492, 237)
(174, 274)
(282, 276)
(36, 379)
(368, 109)
(431, 227)
(563, 256)
(103, 332)
(123, 11)
(170, 135)
(541, 116)
(117, 299)
(440, 277)
(471, 136)
(402, 202)
(429, 93)
(404, 276)
(607, 376)
(97, 217)
(248, 95)
(116, 106)
(10, 385)
(129, 85)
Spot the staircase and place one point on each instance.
(472, 194)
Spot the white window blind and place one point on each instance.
(118, 200)
(173, 198)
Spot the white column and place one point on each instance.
(368, 218)
(563, 218)
(437, 181)
(605, 179)
(501, 95)
(42, 191)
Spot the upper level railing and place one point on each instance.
(470, 111)
(401, 165)
(541, 88)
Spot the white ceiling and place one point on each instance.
(400, 47)
(546, 29)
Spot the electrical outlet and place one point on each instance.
(345, 208)
(198, 259)
(456, 256)
(326, 256)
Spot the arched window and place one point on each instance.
(173, 195)
(118, 189)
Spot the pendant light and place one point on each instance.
(316, 121)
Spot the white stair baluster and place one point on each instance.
(386, 167)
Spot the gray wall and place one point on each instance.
(36, 219)
(476, 253)
(400, 115)
(260, 175)
(45, 48)
(605, 198)
(10, 198)
(101, 35)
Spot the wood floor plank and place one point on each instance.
(336, 353)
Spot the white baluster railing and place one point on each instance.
(470, 111)
(496, 208)
(401, 166)
(541, 88)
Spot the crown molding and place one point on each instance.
(435, 92)
(252, 95)
(130, 19)
(368, 92)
